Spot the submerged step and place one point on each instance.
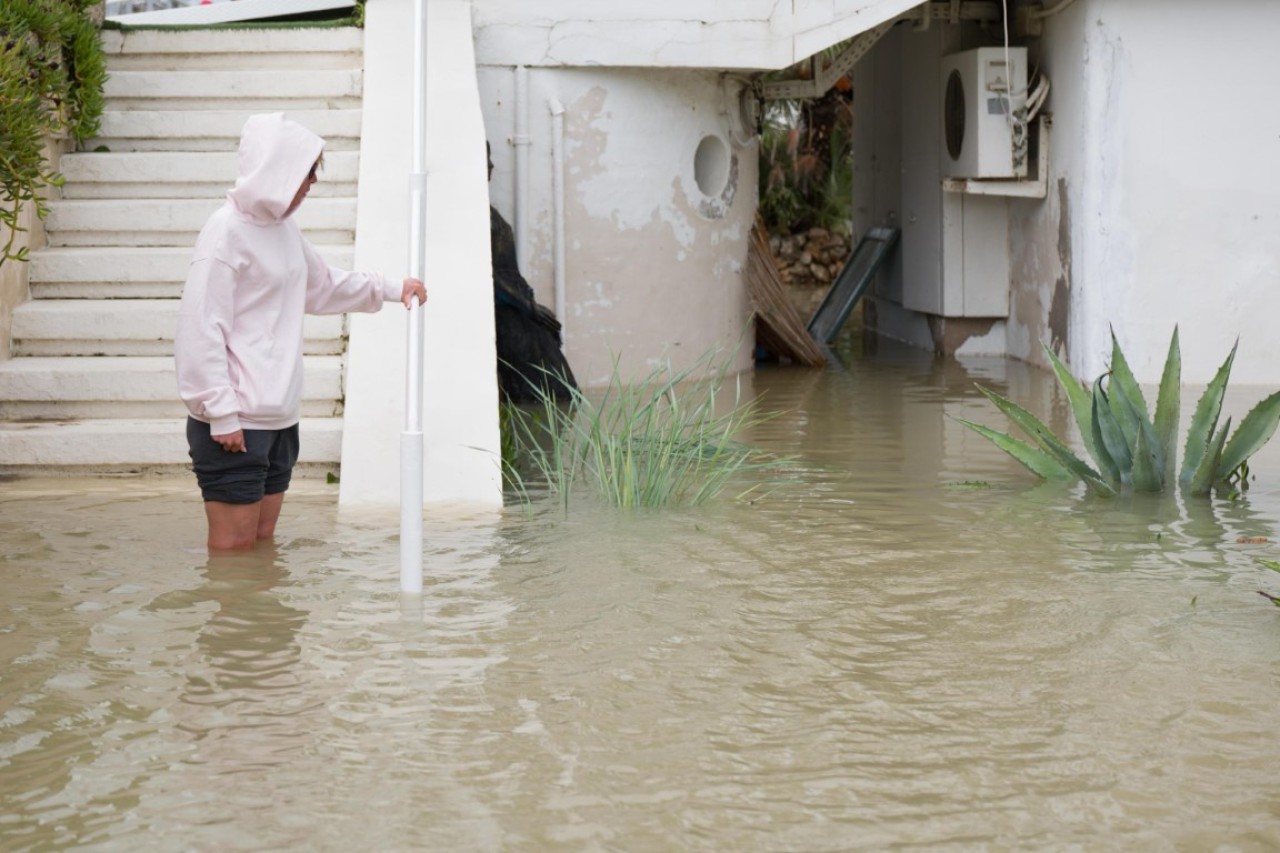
(131, 444)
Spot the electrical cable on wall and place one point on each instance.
(1039, 94)
(1008, 67)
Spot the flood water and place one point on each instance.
(915, 646)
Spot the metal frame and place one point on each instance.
(821, 80)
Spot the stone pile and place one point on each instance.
(808, 261)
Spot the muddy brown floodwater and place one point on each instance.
(914, 646)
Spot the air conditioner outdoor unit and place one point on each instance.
(983, 113)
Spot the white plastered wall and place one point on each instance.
(1163, 207)
(1160, 209)
(460, 389)
(653, 265)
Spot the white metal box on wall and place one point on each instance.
(982, 90)
(975, 256)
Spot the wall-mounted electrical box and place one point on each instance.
(984, 93)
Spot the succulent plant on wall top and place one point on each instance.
(1130, 449)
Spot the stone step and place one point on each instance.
(124, 272)
(122, 230)
(170, 50)
(131, 445)
(212, 130)
(260, 91)
(130, 387)
(139, 175)
(132, 327)
(176, 222)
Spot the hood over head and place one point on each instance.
(275, 156)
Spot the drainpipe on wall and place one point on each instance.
(557, 201)
(520, 139)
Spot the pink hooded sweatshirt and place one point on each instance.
(253, 276)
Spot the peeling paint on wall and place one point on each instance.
(967, 335)
(653, 263)
(1060, 306)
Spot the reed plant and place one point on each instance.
(1131, 450)
(667, 440)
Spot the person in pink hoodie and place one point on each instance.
(238, 349)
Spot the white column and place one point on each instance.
(461, 459)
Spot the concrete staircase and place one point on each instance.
(90, 386)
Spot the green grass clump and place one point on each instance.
(658, 442)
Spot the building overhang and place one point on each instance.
(761, 35)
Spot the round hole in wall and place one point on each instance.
(711, 166)
(953, 115)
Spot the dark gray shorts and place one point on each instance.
(242, 478)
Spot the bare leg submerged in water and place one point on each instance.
(239, 527)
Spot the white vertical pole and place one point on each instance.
(522, 142)
(411, 447)
(557, 201)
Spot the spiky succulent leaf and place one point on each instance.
(1130, 407)
(1254, 431)
(1107, 465)
(1033, 427)
(1108, 430)
(1081, 403)
(1205, 475)
(1147, 470)
(1037, 461)
(1167, 405)
(1148, 464)
(1123, 380)
(1205, 421)
(1125, 416)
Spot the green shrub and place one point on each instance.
(806, 164)
(1130, 449)
(52, 69)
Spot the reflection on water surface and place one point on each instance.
(915, 646)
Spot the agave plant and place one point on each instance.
(1130, 449)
